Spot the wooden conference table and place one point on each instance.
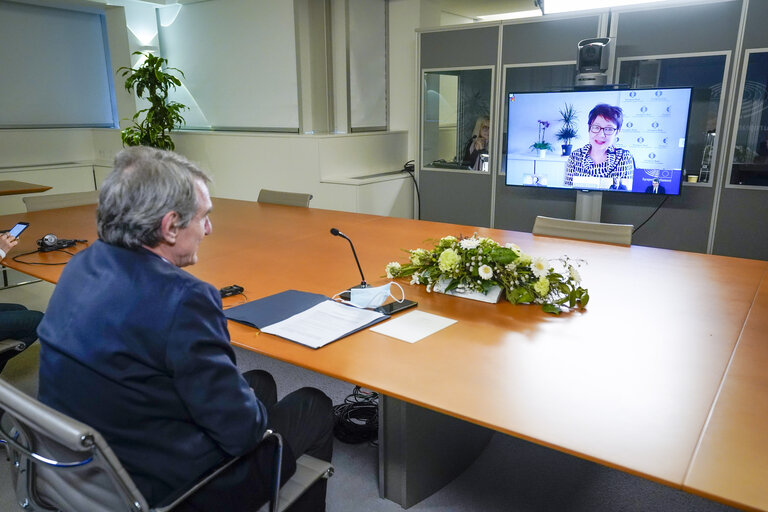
(663, 376)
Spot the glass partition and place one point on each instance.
(456, 124)
(750, 152)
(705, 74)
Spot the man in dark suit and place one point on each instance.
(655, 187)
(139, 349)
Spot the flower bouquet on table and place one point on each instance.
(480, 264)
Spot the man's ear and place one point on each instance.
(169, 227)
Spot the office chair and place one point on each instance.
(62, 464)
(51, 201)
(11, 345)
(285, 198)
(584, 230)
(14, 347)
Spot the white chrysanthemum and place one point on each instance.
(469, 243)
(514, 247)
(575, 276)
(393, 269)
(539, 266)
(485, 272)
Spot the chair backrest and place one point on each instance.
(285, 198)
(60, 463)
(51, 201)
(584, 230)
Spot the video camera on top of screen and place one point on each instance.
(592, 61)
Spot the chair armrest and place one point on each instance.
(274, 490)
(207, 478)
(7, 345)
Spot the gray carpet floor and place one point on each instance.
(511, 475)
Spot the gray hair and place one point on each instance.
(145, 184)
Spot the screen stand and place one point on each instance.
(588, 205)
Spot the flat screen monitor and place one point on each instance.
(634, 144)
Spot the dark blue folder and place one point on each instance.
(276, 308)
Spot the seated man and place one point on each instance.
(139, 349)
(16, 321)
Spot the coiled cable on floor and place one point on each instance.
(357, 419)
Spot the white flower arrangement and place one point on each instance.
(479, 264)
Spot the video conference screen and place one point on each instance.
(619, 140)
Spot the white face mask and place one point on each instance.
(372, 297)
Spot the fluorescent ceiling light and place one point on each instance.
(553, 6)
(510, 15)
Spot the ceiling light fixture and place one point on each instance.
(555, 6)
(510, 15)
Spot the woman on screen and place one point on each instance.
(478, 144)
(600, 158)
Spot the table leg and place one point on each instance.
(420, 450)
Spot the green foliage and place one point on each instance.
(566, 134)
(542, 145)
(479, 264)
(152, 126)
(568, 117)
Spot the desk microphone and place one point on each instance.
(336, 232)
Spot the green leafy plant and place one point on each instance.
(479, 264)
(568, 117)
(541, 143)
(152, 125)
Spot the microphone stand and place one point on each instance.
(363, 284)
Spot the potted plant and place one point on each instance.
(541, 145)
(152, 81)
(568, 131)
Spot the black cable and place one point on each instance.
(411, 171)
(357, 419)
(651, 215)
(245, 299)
(40, 262)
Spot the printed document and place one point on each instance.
(323, 323)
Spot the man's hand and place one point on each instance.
(7, 242)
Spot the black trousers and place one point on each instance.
(18, 323)
(304, 419)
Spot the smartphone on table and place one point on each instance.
(394, 307)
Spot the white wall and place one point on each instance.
(241, 164)
(405, 16)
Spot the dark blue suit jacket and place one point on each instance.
(139, 349)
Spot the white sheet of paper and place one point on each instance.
(322, 324)
(413, 326)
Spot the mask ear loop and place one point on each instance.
(338, 298)
(401, 291)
